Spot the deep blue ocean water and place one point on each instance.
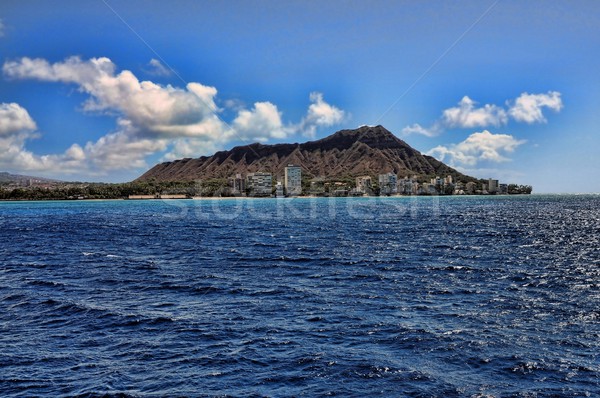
(401, 297)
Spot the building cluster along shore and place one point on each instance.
(291, 183)
(263, 184)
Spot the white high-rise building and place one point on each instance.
(492, 186)
(293, 180)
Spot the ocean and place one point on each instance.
(355, 297)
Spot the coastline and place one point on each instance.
(231, 198)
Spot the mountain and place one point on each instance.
(345, 154)
(7, 178)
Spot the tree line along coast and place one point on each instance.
(221, 187)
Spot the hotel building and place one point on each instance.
(259, 184)
(293, 180)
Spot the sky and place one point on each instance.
(97, 90)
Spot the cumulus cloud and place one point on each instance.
(466, 115)
(320, 114)
(528, 107)
(481, 146)
(16, 128)
(15, 119)
(156, 68)
(72, 70)
(151, 118)
(416, 128)
(261, 122)
(120, 151)
(15, 156)
(154, 109)
(148, 115)
(264, 121)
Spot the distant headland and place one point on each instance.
(367, 161)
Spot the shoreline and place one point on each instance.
(229, 198)
(62, 200)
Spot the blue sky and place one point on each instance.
(102, 90)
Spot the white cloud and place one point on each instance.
(466, 115)
(320, 114)
(262, 122)
(151, 118)
(13, 154)
(121, 151)
(15, 119)
(416, 128)
(75, 152)
(149, 115)
(16, 128)
(477, 147)
(156, 68)
(2, 27)
(155, 110)
(72, 70)
(528, 107)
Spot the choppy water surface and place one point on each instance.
(416, 297)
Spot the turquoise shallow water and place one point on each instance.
(417, 297)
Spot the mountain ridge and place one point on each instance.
(6, 177)
(368, 150)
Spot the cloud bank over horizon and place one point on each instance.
(150, 118)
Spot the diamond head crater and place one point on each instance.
(368, 161)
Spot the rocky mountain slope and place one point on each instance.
(348, 153)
